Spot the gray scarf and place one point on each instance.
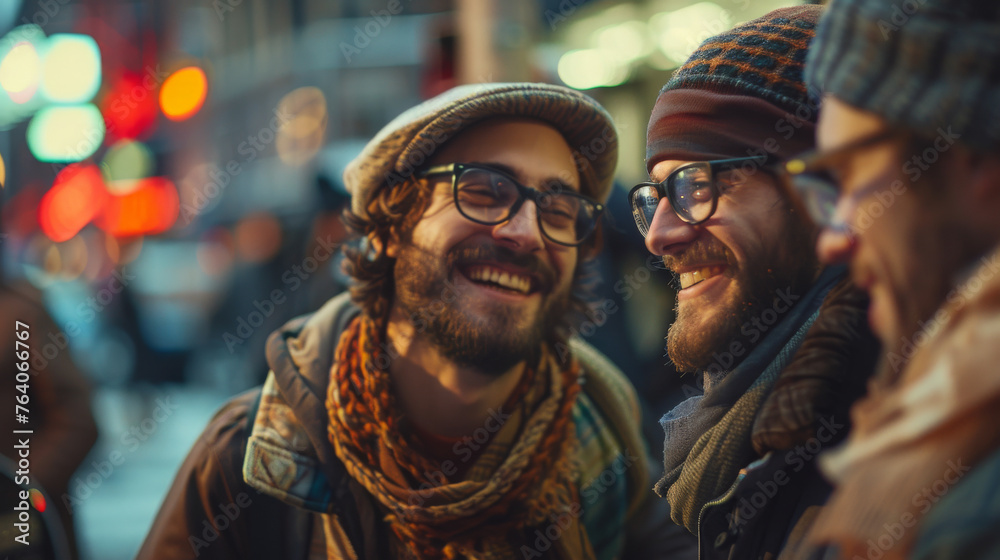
(707, 437)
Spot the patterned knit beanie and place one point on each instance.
(919, 64)
(740, 94)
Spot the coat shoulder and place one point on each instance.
(963, 524)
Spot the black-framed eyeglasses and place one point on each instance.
(489, 196)
(692, 190)
(812, 175)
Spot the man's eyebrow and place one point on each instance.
(549, 184)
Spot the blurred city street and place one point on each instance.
(114, 519)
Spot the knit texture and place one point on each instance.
(715, 460)
(919, 64)
(523, 479)
(762, 58)
(408, 142)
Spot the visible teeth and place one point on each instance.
(693, 277)
(501, 278)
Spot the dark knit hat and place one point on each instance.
(407, 143)
(919, 64)
(741, 89)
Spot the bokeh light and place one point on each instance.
(3, 173)
(301, 134)
(72, 68)
(37, 500)
(258, 237)
(216, 251)
(124, 164)
(183, 93)
(590, 68)
(150, 207)
(681, 32)
(20, 72)
(129, 107)
(66, 134)
(77, 196)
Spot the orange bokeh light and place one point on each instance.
(183, 93)
(76, 197)
(150, 208)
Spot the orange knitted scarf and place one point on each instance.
(524, 480)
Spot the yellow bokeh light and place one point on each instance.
(66, 133)
(183, 93)
(20, 71)
(590, 68)
(72, 68)
(3, 173)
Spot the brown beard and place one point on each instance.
(791, 266)
(492, 342)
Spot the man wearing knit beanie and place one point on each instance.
(907, 181)
(778, 343)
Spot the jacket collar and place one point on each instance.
(289, 455)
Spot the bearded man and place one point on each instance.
(778, 343)
(908, 172)
(439, 410)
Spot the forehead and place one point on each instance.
(536, 151)
(839, 124)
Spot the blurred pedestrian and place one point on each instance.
(777, 343)
(909, 140)
(57, 406)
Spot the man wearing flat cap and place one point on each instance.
(439, 410)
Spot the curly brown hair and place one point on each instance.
(395, 210)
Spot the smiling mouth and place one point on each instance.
(499, 279)
(697, 276)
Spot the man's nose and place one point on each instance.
(836, 244)
(667, 232)
(521, 231)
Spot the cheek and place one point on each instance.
(565, 264)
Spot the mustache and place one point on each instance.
(528, 262)
(707, 250)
